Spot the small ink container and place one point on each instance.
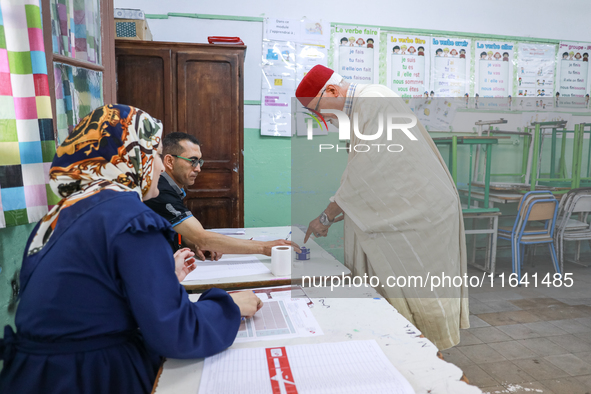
(305, 255)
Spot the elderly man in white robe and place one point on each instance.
(402, 211)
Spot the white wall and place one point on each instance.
(564, 20)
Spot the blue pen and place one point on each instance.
(288, 236)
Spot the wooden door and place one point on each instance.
(145, 80)
(210, 106)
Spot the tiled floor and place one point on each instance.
(528, 339)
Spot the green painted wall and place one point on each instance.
(267, 180)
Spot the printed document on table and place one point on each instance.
(228, 231)
(339, 367)
(227, 267)
(278, 319)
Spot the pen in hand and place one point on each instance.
(286, 238)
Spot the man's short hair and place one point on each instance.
(171, 143)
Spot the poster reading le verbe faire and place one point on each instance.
(356, 54)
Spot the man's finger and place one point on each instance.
(308, 234)
(200, 255)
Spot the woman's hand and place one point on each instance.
(184, 263)
(248, 302)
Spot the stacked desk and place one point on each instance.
(472, 211)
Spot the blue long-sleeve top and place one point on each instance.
(107, 271)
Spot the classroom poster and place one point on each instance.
(282, 29)
(356, 54)
(436, 114)
(278, 77)
(493, 74)
(291, 47)
(535, 73)
(572, 89)
(276, 123)
(450, 66)
(533, 103)
(308, 56)
(315, 32)
(278, 86)
(408, 64)
(309, 31)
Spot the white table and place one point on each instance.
(345, 319)
(321, 263)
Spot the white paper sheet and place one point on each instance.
(339, 367)
(282, 29)
(279, 319)
(265, 237)
(227, 267)
(228, 231)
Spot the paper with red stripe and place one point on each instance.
(280, 372)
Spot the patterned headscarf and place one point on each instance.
(111, 148)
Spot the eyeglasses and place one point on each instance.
(318, 103)
(194, 162)
(319, 98)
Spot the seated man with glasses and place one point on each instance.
(181, 155)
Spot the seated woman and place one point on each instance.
(100, 303)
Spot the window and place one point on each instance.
(80, 54)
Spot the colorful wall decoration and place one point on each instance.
(27, 144)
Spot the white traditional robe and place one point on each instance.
(403, 217)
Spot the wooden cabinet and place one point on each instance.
(196, 89)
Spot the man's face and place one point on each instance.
(182, 170)
(332, 98)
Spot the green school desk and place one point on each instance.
(472, 211)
